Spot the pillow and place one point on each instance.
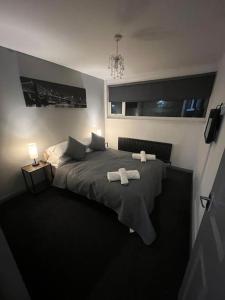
(58, 149)
(56, 161)
(55, 154)
(86, 142)
(75, 149)
(97, 142)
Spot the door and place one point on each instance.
(205, 274)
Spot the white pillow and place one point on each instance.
(57, 161)
(58, 149)
(56, 152)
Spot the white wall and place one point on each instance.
(184, 135)
(209, 156)
(20, 125)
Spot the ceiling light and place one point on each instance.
(116, 61)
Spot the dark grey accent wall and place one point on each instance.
(20, 125)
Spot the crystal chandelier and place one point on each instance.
(116, 61)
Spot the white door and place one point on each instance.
(205, 274)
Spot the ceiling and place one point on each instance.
(157, 34)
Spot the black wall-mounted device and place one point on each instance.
(213, 125)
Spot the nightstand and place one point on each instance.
(29, 171)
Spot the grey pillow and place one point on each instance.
(75, 149)
(97, 142)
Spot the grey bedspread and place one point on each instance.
(133, 203)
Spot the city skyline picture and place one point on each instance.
(39, 93)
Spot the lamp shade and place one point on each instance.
(96, 130)
(99, 132)
(32, 150)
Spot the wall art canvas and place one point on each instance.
(38, 93)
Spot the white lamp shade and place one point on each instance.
(99, 132)
(96, 130)
(32, 150)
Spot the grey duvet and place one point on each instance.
(133, 203)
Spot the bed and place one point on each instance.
(133, 203)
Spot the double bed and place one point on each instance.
(132, 203)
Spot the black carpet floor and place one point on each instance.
(68, 247)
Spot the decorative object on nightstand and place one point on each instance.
(33, 153)
(30, 170)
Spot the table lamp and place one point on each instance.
(96, 130)
(99, 132)
(33, 153)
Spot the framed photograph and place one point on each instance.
(38, 93)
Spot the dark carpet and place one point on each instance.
(68, 247)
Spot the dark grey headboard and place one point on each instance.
(161, 150)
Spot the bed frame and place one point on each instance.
(161, 150)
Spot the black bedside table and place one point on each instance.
(29, 170)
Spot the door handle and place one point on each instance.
(208, 201)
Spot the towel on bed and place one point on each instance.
(143, 156)
(123, 176)
(115, 176)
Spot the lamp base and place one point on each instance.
(35, 163)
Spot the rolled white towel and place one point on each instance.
(136, 155)
(133, 174)
(123, 176)
(143, 156)
(115, 176)
(148, 156)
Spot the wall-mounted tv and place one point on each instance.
(213, 125)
